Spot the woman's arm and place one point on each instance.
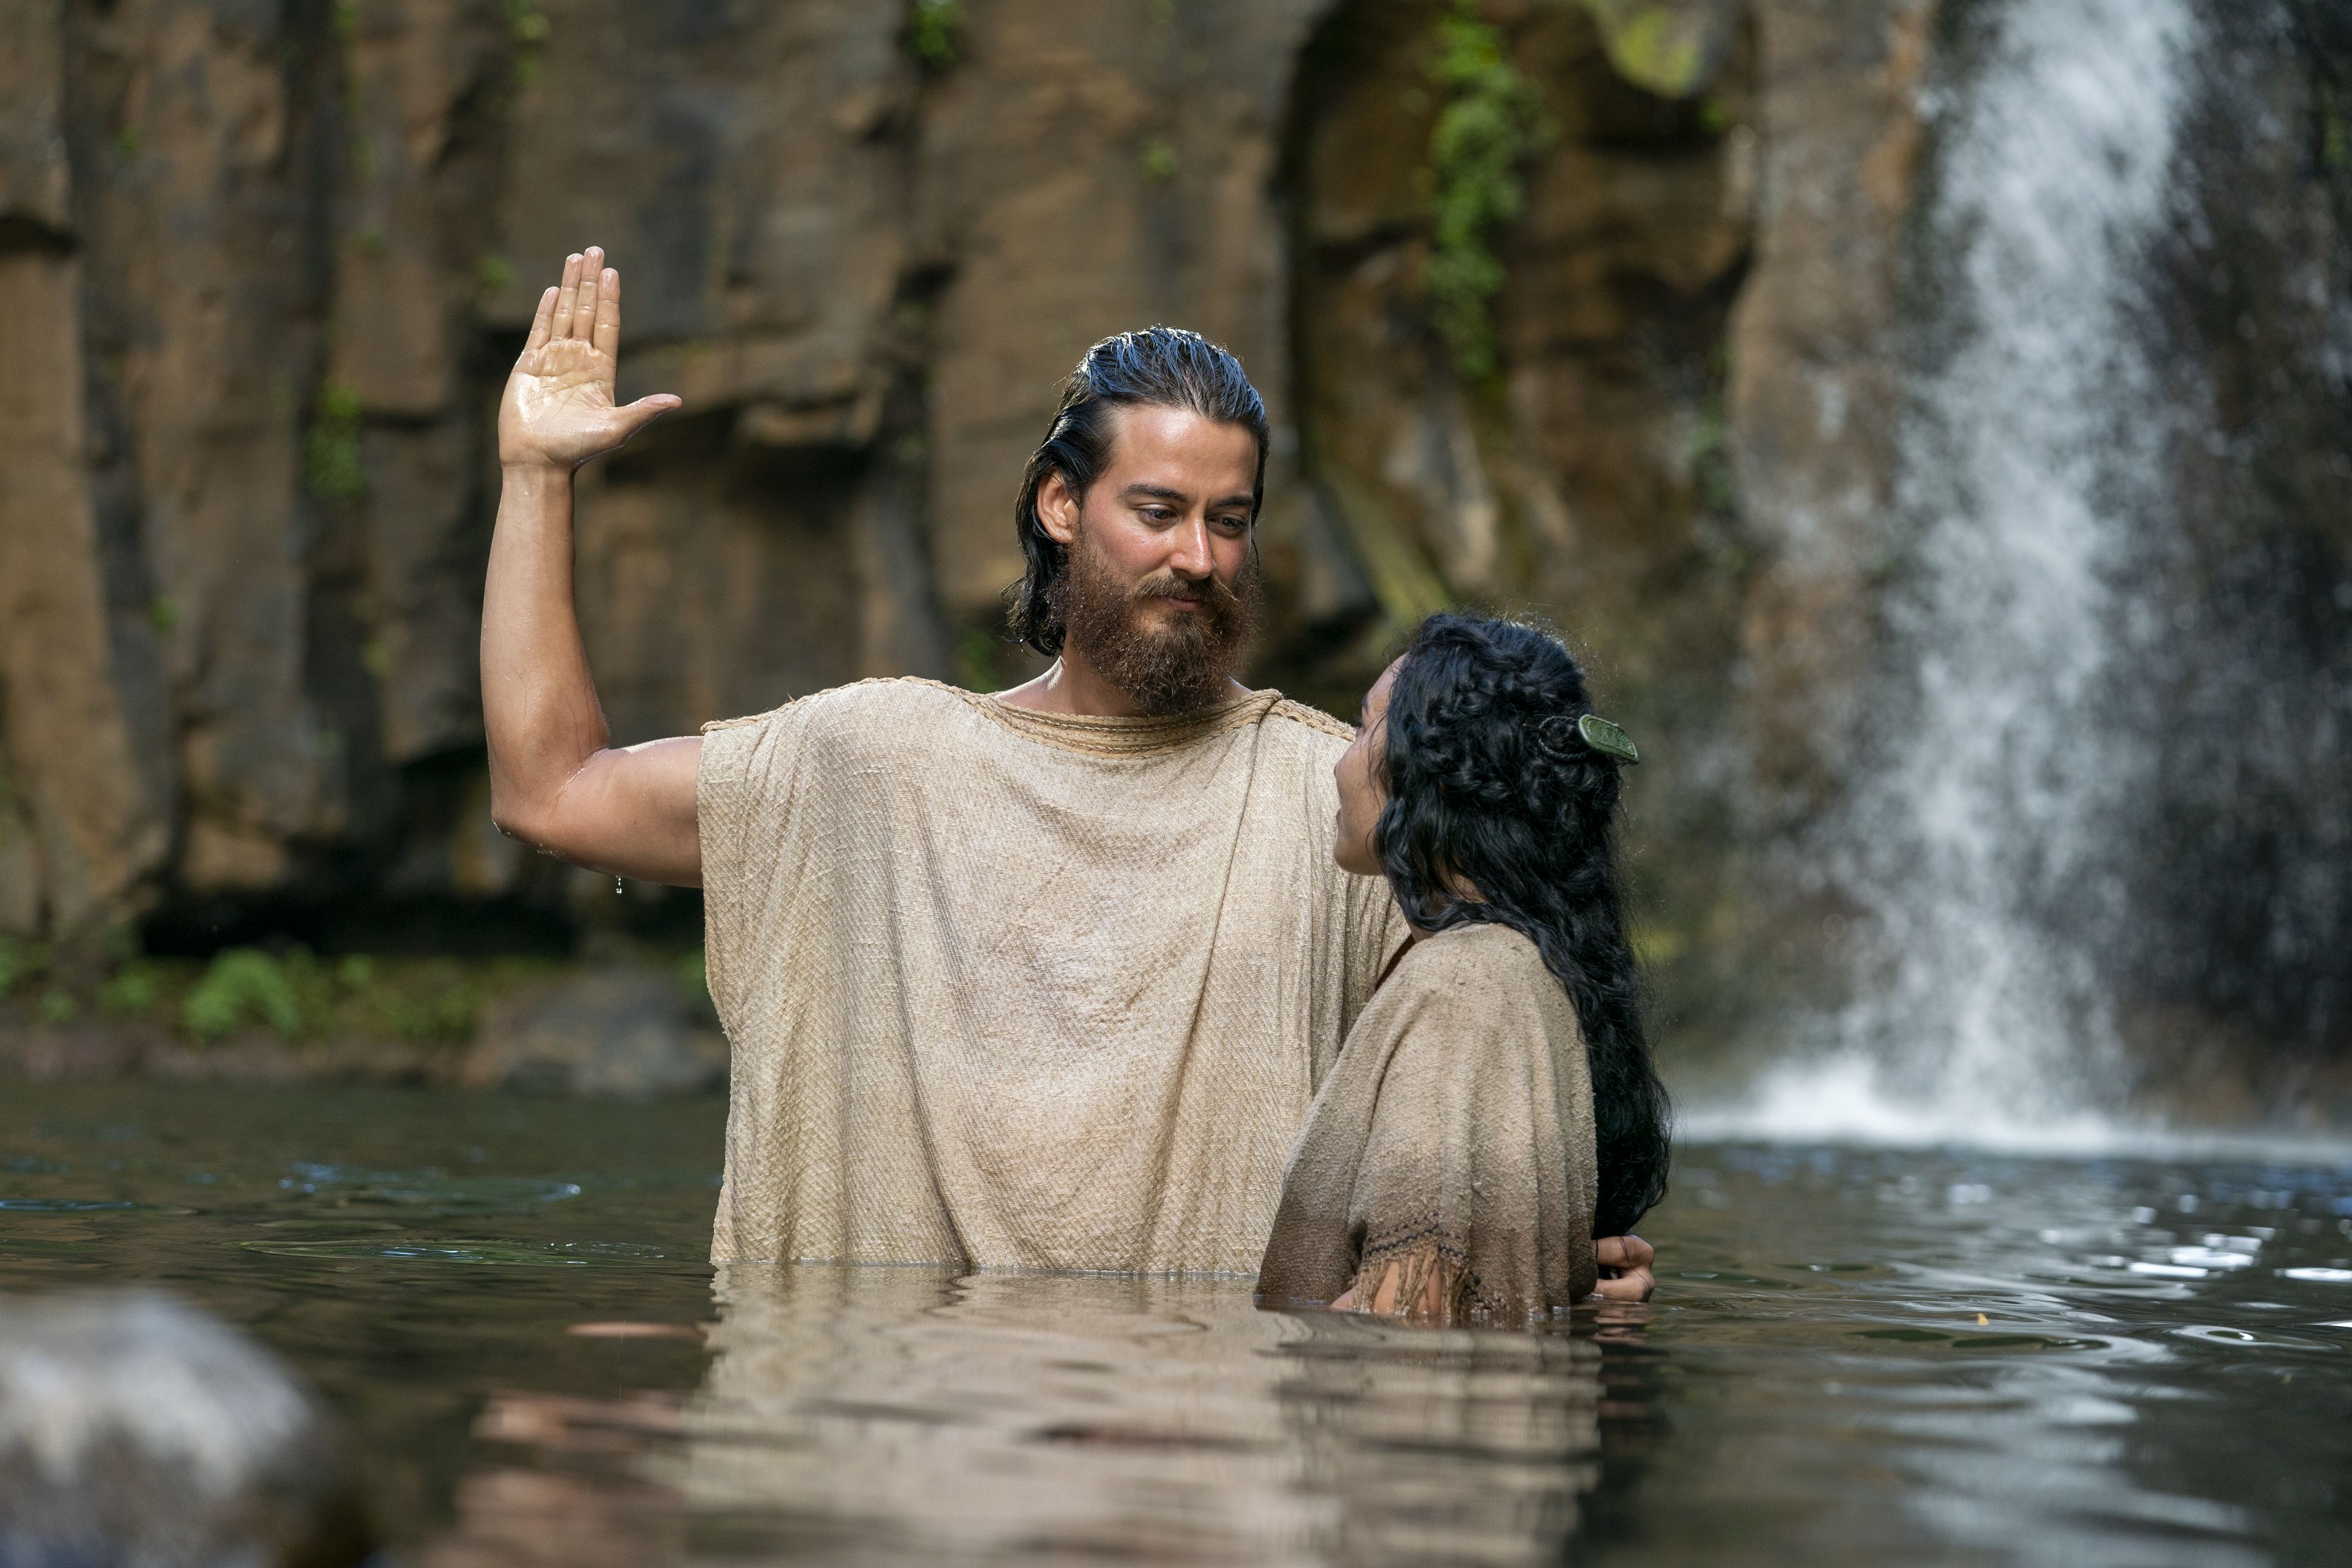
(556, 780)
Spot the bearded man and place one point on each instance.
(1044, 979)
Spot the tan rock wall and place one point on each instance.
(307, 246)
(272, 263)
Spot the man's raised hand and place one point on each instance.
(558, 411)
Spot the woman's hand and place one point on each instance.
(1626, 1263)
(558, 411)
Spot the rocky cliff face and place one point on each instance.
(267, 264)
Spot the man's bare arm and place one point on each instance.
(556, 779)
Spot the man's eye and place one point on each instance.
(1159, 515)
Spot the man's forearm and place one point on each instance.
(539, 700)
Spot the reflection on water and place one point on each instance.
(1857, 1356)
(883, 1415)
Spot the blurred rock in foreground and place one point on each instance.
(135, 1429)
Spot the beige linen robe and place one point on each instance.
(1007, 989)
(1452, 1137)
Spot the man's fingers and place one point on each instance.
(608, 314)
(591, 285)
(543, 322)
(565, 300)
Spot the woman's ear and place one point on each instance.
(1058, 509)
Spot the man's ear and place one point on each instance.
(1058, 509)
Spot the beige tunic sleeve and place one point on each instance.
(1453, 1140)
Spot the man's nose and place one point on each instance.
(1189, 550)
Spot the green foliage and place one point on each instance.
(1709, 456)
(693, 975)
(935, 32)
(493, 273)
(298, 996)
(294, 994)
(1659, 46)
(162, 613)
(244, 986)
(20, 963)
(1492, 122)
(330, 456)
(1158, 160)
(976, 661)
(530, 29)
(134, 991)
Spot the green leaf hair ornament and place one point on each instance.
(1607, 739)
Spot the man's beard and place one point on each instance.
(1181, 667)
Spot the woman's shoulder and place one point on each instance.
(1476, 957)
(1480, 979)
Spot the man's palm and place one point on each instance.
(558, 409)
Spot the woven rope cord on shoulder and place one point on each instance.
(1120, 737)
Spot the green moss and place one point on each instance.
(331, 454)
(20, 963)
(693, 975)
(530, 29)
(1655, 946)
(1659, 46)
(1492, 122)
(298, 995)
(135, 991)
(935, 32)
(243, 986)
(979, 661)
(1157, 160)
(1709, 457)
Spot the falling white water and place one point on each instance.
(2030, 459)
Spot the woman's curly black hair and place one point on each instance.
(1491, 788)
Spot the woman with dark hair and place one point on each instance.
(1495, 1106)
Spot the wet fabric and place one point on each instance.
(1007, 989)
(1452, 1138)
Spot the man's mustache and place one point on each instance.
(1175, 585)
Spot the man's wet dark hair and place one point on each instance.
(1490, 785)
(1165, 367)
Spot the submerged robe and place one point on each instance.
(1453, 1138)
(1008, 989)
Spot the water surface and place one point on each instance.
(1855, 1356)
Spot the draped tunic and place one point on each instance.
(1453, 1141)
(1010, 989)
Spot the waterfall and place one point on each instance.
(1984, 819)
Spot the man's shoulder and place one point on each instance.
(1309, 727)
(897, 695)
